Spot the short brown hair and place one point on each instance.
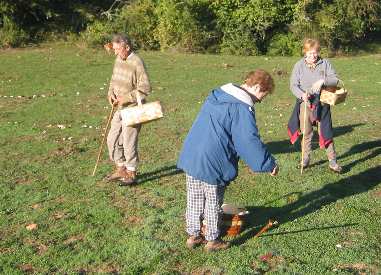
(309, 44)
(261, 77)
(122, 39)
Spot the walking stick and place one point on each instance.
(304, 134)
(104, 138)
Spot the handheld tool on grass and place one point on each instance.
(270, 224)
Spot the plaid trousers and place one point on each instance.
(203, 202)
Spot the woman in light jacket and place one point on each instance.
(309, 76)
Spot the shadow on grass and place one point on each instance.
(309, 203)
(285, 147)
(162, 172)
(358, 149)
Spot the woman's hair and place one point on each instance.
(309, 44)
(122, 39)
(261, 77)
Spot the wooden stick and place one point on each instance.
(267, 227)
(103, 139)
(304, 134)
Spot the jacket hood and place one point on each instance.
(230, 93)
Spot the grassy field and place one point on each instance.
(53, 110)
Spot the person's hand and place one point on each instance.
(275, 171)
(305, 97)
(316, 87)
(119, 99)
(112, 99)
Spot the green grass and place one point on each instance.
(88, 225)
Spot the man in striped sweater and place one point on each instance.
(129, 78)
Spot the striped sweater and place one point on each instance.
(129, 77)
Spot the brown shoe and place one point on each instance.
(118, 173)
(194, 241)
(215, 245)
(129, 178)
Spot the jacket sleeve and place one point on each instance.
(331, 78)
(142, 81)
(247, 141)
(295, 82)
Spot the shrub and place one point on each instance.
(247, 24)
(11, 35)
(177, 27)
(239, 41)
(98, 32)
(139, 20)
(285, 45)
(339, 24)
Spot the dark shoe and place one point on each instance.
(216, 245)
(118, 173)
(128, 178)
(194, 241)
(335, 167)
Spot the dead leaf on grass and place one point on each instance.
(26, 267)
(226, 65)
(273, 261)
(39, 248)
(358, 268)
(266, 257)
(207, 271)
(73, 239)
(32, 226)
(36, 206)
(6, 250)
(134, 219)
(58, 215)
(105, 269)
(23, 181)
(280, 72)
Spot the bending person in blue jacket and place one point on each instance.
(224, 131)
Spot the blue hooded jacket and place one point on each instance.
(224, 130)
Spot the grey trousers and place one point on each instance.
(330, 150)
(122, 142)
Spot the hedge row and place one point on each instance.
(244, 27)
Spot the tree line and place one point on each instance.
(242, 27)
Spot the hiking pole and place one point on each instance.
(104, 138)
(270, 224)
(304, 135)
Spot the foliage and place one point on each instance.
(11, 35)
(242, 27)
(247, 24)
(177, 27)
(284, 45)
(98, 32)
(139, 20)
(340, 24)
(38, 17)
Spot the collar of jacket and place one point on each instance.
(128, 57)
(238, 93)
(314, 65)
